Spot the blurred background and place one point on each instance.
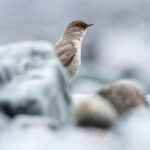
(116, 47)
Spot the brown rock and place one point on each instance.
(123, 95)
(96, 111)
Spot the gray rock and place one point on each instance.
(4, 122)
(32, 81)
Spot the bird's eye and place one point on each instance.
(79, 25)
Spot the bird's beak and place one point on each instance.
(88, 25)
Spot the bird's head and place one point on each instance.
(77, 26)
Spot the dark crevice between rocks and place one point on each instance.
(11, 111)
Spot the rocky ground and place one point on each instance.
(38, 110)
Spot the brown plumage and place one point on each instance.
(68, 47)
(77, 23)
(66, 54)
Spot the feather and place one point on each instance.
(66, 54)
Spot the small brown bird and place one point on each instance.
(68, 48)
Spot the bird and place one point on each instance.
(68, 48)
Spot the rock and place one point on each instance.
(42, 138)
(132, 131)
(4, 122)
(32, 81)
(85, 139)
(123, 95)
(31, 138)
(28, 121)
(95, 111)
(79, 97)
(148, 99)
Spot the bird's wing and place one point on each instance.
(67, 54)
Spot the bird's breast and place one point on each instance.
(75, 64)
